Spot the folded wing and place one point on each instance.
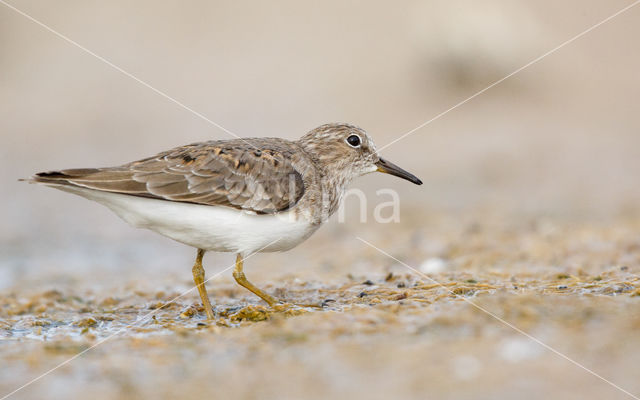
(228, 173)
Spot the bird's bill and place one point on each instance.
(392, 169)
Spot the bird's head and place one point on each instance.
(350, 151)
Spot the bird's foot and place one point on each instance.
(251, 313)
(256, 313)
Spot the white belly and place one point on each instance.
(215, 228)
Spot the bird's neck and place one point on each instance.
(333, 181)
(334, 187)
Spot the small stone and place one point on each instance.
(433, 265)
(86, 322)
(189, 312)
(326, 302)
(401, 296)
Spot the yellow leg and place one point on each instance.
(198, 278)
(238, 275)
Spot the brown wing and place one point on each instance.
(229, 173)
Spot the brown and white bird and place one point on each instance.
(242, 196)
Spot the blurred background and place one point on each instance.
(561, 138)
(559, 141)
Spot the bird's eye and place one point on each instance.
(354, 141)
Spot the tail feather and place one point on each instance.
(60, 177)
(68, 173)
(110, 180)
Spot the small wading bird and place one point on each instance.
(241, 196)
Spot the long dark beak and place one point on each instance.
(390, 168)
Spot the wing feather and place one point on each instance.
(230, 173)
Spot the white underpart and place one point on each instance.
(215, 228)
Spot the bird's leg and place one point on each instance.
(198, 278)
(238, 275)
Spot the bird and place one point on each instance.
(242, 195)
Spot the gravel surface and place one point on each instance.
(465, 311)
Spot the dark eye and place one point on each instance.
(353, 140)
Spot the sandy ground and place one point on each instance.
(460, 330)
(528, 222)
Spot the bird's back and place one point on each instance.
(257, 175)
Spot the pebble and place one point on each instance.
(433, 265)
